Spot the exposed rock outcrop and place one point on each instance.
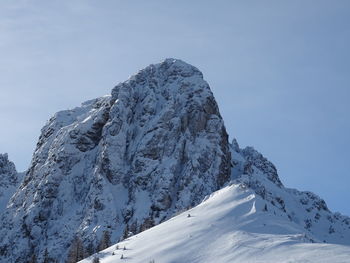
(9, 180)
(253, 171)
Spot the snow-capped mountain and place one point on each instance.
(9, 180)
(121, 163)
(125, 162)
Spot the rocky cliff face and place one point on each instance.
(121, 163)
(8, 173)
(9, 180)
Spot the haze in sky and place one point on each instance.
(279, 70)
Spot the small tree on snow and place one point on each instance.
(96, 260)
(47, 259)
(76, 251)
(33, 259)
(133, 228)
(148, 223)
(126, 232)
(90, 249)
(105, 241)
(265, 208)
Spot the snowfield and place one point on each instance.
(229, 226)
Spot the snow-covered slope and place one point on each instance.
(310, 212)
(253, 219)
(120, 163)
(9, 180)
(232, 225)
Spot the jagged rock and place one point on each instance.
(252, 170)
(8, 173)
(9, 180)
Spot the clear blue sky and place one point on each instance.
(280, 71)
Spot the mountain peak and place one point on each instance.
(176, 66)
(158, 77)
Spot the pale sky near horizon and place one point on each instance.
(280, 71)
